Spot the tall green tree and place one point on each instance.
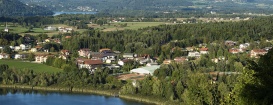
(255, 85)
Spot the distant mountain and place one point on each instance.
(17, 8)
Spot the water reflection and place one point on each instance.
(29, 97)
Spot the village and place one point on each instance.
(116, 60)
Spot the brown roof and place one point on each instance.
(85, 49)
(38, 47)
(126, 60)
(259, 50)
(67, 37)
(90, 61)
(233, 50)
(179, 59)
(93, 62)
(104, 49)
(64, 51)
(204, 49)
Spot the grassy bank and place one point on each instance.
(149, 99)
(146, 99)
(62, 89)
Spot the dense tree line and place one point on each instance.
(72, 78)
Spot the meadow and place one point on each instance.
(36, 67)
(121, 25)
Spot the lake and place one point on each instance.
(29, 97)
(59, 13)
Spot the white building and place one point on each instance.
(20, 56)
(6, 29)
(194, 54)
(40, 58)
(148, 70)
(17, 48)
(4, 56)
(33, 50)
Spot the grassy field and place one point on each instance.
(36, 67)
(130, 25)
(35, 31)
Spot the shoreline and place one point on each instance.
(112, 93)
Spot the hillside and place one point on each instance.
(152, 6)
(17, 8)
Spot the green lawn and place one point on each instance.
(36, 67)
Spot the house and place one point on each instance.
(17, 48)
(103, 56)
(180, 59)
(33, 50)
(194, 54)
(41, 58)
(57, 40)
(204, 50)
(105, 50)
(244, 46)
(256, 53)
(11, 47)
(48, 40)
(64, 57)
(267, 48)
(113, 66)
(234, 51)
(67, 37)
(6, 28)
(23, 47)
(148, 70)
(124, 61)
(176, 48)
(89, 64)
(63, 29)
(84, 52)
(39, 48)
(167, 61)
(190, 48)
(20, 56)
(50, 28)
(4, 56)
(230, 43)
(129, 55)
(64, 52)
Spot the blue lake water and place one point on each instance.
(59, 13)
(19, 97)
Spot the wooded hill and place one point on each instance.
(17, 8)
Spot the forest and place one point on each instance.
(190, 82)
(13, 8)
